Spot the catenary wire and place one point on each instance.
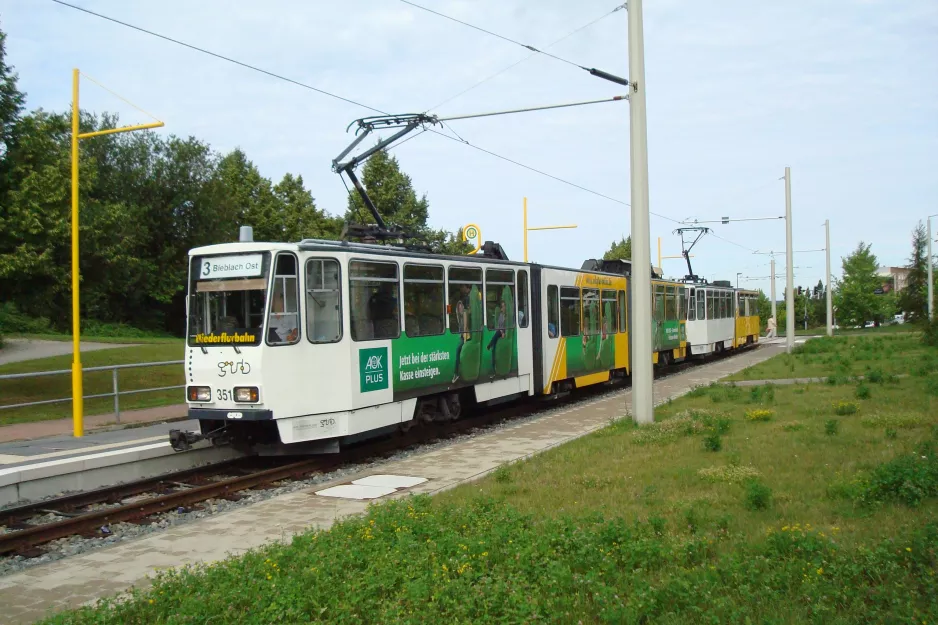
(365, 106)
(489, 32)
(519, 62)
(219, 56)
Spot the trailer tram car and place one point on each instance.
(301, 348)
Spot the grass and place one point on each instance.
(784, 524)
(59, 386)
(883, 356)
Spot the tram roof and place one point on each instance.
(347, 247)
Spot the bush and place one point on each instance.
(891, 434)
(12, 321)
(764, 394)
(908, 479)
(875, 376)
(757, 495)
(759, 414)
(844, 408)
(930, 333)
(831, 427)
(863, 391)
(712, 442)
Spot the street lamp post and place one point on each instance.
(827, 249)
(790, 277)
(643, 410)
(931, 279)
(772, 288)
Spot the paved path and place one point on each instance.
(36, 592)
(62, 427)
(18, 350)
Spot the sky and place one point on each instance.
(843, 92)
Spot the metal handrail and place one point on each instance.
(115, 393)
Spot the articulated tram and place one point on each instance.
(303, 347)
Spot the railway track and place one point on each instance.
(188, 488)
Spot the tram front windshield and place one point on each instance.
(227, 299)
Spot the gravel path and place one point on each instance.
(18, 350)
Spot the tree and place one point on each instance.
(913, 300)
(621, 250)
(301, 218)
(392, 193)
(765, 310)
(856, 299)
(11, 101)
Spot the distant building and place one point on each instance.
(894, 278)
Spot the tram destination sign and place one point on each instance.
(240, 266)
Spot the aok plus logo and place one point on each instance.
(373, 369)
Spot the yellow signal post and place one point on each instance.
(77, 390)
(527, 229)
(660, 257)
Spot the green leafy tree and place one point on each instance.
(393, 194)
(765, 309)
(619, 250)
(856, 299)
(34, 222)
(301, 218)
(11, 101)
(913, 300)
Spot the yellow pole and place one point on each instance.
(525, 229)
(77, 401)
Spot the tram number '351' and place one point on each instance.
(225, 394)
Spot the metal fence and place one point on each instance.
(115, 392)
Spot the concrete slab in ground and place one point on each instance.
(18, 350)
(41, 590)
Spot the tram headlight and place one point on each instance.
(246, 394)
(199, 393)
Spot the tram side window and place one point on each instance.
(283, 321)
(701, 305)
(692, 306)
(592, 315)
(658, 303)
(623, 311)
(670, 304)
(465, 283)
(723, 311)
(423, 300)
(610, 312)
(710, 307)
(499, 298)
(522, 298)
(374, 294)
(553, 311)
(569, 311)
(323, 301)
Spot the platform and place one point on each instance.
(43, 467)
(38, 591)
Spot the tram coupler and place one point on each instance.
(181, 440)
